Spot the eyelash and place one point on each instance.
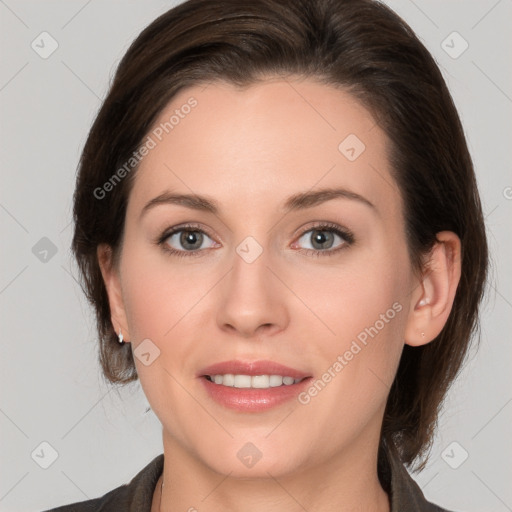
(345, 234)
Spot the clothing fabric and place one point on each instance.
(136, 496)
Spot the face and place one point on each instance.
(265, 268)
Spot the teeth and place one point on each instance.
(252, 381)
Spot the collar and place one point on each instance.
(404, 493)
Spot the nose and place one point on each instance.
(252, 299)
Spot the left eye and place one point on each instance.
(322, 238)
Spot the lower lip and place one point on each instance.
(251, 399)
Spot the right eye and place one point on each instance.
(185, 240)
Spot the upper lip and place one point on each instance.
(261, 367)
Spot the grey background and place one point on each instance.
(51, 389)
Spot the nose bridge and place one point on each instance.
(250, 263)
(250, 295)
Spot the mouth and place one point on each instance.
(252, 381)
(252, 386)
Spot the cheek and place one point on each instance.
(157, 291)
(364, 307)
(166, 301)
(159, 300)
(149, 303)
(368, 292)
(353, 343)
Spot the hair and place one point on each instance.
(360, 46)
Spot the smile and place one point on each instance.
(252, 381)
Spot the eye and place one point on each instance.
(185, 240)
(322, 238)
(191, 240)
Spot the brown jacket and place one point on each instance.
(137, 496)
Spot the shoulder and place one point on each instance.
(134, 496)
(405, 493)
(112, 499)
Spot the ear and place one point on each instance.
(432, 299)
(112, 281)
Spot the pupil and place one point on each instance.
(190, 237)
(320, 238)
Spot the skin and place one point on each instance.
(249, 150)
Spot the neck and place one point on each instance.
(347, 481)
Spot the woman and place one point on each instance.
(278, 225)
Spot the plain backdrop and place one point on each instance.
(95, 437)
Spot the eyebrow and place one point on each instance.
(300, 201)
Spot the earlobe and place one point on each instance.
(424, 302)
(432, 300)
(112, 282)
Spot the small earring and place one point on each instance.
(424, 302)
(120, 336)
(422, 334)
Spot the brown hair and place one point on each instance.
(361, 46)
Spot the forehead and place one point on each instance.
(260, 144)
